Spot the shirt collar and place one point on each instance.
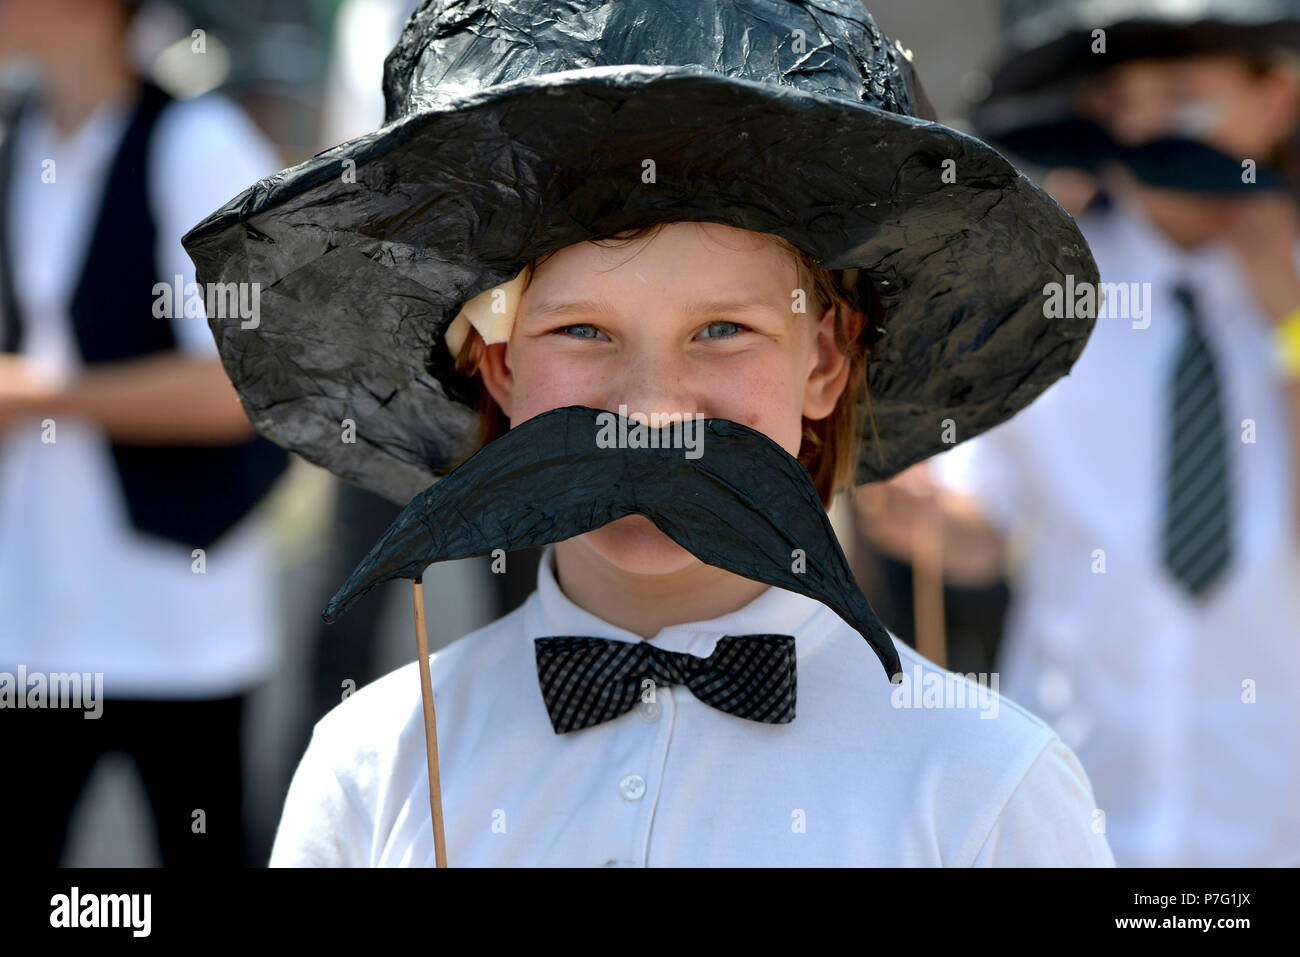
(1165, 264)
(93, 141)
(776, 611)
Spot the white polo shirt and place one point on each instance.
(853, 780)
(1185, 714)
(82, 590)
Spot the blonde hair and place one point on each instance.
(830, 446)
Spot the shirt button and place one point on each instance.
(650, 710)
(632, 787)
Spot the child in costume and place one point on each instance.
(134, 559)
(1152, 494)
(786, 251)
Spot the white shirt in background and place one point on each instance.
(82, 590)
(1185, 715)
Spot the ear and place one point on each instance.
(494, 369)
(830, 368)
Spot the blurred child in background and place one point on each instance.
(1150, 497)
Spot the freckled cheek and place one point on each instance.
(544, 382)
(765, 399)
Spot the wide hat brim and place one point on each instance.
(362, 265)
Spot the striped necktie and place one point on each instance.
(1198, 500)
(586, 681)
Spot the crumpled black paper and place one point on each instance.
(519, 127)
(743, 504)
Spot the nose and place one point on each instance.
(653, 378)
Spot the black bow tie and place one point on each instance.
(586, 680)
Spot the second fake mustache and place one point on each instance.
(726, 493)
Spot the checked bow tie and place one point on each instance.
(586, 681)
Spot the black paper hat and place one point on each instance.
(517, 127)
(1050, 40)
(1049, 45)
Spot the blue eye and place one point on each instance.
(722, 322)
(592, 331)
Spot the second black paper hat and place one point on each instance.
(518, 127)
(1050, 41)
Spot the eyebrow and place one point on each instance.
(605, 307)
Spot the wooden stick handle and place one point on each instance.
(430, 723)
(927, 593)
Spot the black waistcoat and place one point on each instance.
(188, 494)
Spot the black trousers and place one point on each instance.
(188, 756)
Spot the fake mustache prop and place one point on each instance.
(1176, 162)
(740, 502)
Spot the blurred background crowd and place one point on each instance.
(1124, 553)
